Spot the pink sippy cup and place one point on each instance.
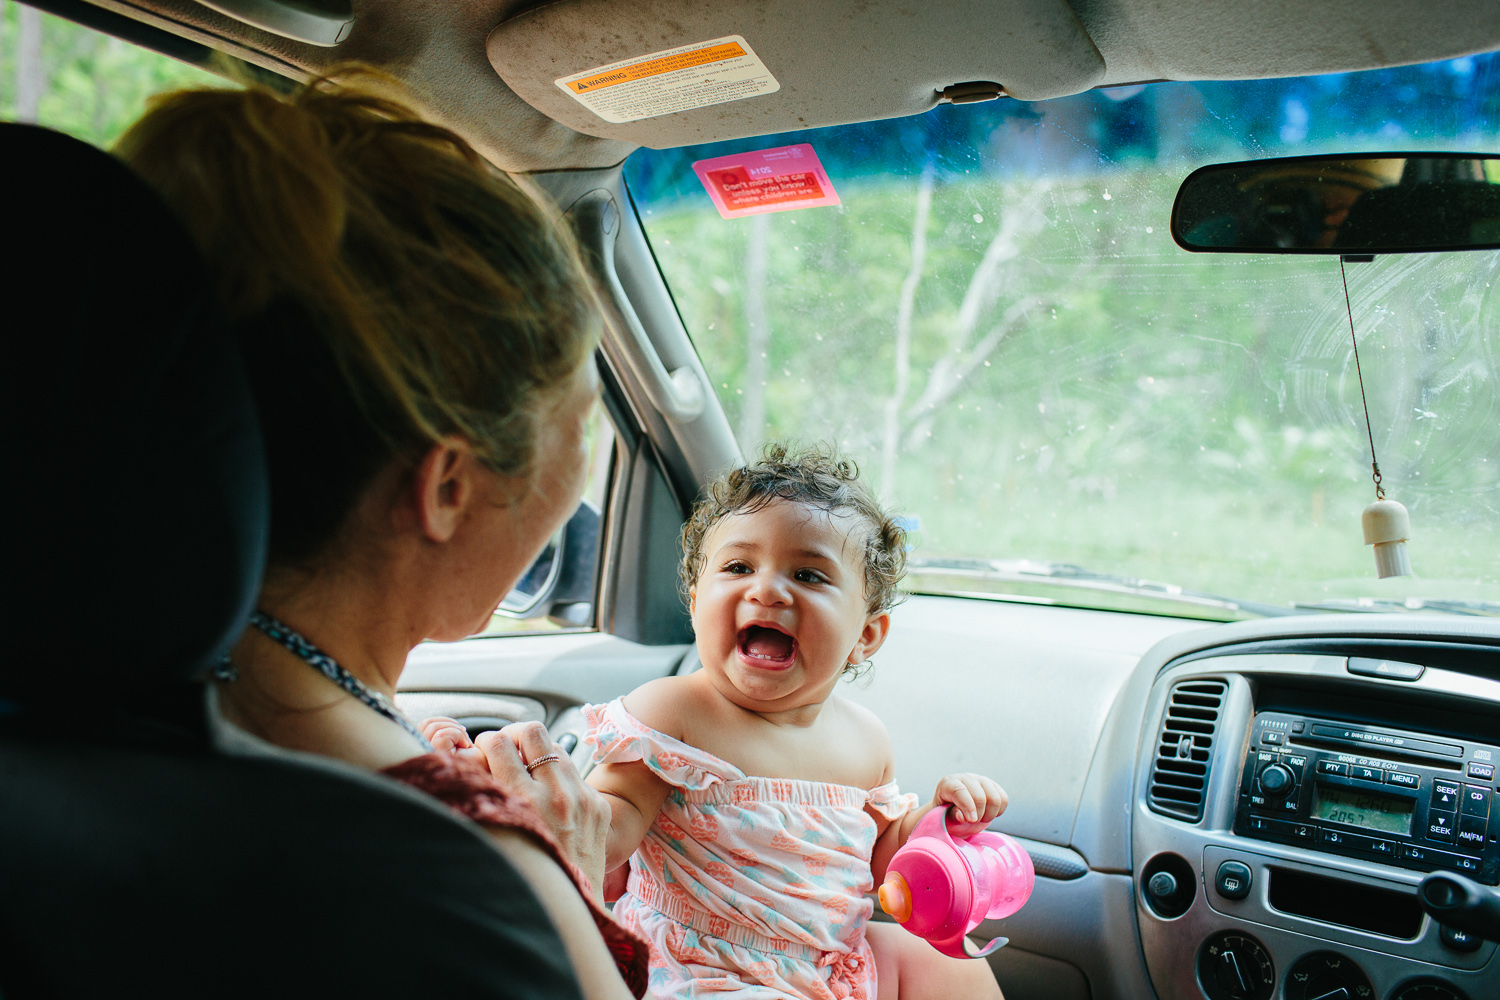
(940, 887)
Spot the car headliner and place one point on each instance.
(838, 60)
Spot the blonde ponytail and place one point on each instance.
(448, 299)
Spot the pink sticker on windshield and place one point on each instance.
(767, 180)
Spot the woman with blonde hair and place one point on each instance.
(420, 337)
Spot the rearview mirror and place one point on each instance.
(1381, 203)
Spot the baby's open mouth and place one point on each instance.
(766, 645)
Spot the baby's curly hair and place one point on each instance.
(818, 477)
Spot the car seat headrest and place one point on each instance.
(139, 509)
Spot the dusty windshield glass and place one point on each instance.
(995, 322)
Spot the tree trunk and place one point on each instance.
(31, 80)
(757, 337)
(904, 304)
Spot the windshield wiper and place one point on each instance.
(1069, 575)
(1385, 605)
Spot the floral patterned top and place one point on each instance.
(762, 880)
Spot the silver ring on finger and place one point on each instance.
(547, 759)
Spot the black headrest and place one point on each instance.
(137, 483)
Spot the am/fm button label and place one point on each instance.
(1471, 833)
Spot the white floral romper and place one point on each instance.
(747, 886)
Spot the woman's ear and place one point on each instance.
(871, 638)
(444, 486)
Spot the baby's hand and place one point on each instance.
(975, 799)
(446, 735)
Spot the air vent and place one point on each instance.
(1179, 778)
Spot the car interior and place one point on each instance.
(1287, 793)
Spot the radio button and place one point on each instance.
(1332, 837)
(1359, 842)
(1273, 738)
(1476, 801)
(1445, 794)
(1298, 726)
(1484, 772)
(1440, 826)
(1277, 779)
(1459, 863)
(1364, 773)
(1471, 832)
(1416, 852)
(1403, 779)
(1433, 858)
(1332, 767)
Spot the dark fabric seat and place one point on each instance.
(134, 859)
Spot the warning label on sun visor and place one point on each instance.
(680, 79)
(766, 180)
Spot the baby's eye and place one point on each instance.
(810, 576)
(737, 567)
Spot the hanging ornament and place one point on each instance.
(1386, 523)
(1387, 526)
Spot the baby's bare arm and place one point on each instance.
(635, 796)
(634, 792)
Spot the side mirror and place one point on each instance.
(1384, 203)
(560, 581)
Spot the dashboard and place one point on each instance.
(1291, 793)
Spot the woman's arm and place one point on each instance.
(590, 958)
(635, 796)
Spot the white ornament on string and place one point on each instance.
(1386, 523)
(1387, 526)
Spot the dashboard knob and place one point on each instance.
(1234, 966)
(1327, 975)
(1276, 779)
(1162, 886)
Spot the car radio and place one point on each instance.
(1407, 799)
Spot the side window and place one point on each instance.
(559, 591)
(73, 79)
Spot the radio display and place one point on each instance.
(1354, 808)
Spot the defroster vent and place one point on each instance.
(1179, 777)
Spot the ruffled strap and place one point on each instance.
(887, 800)
(618, 737)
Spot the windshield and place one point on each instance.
(995, 323)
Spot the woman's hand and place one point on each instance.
(577, 815)
(975, 799)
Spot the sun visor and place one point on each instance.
(677, 72)
(1234, 40)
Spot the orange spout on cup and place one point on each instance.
(895, 897)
